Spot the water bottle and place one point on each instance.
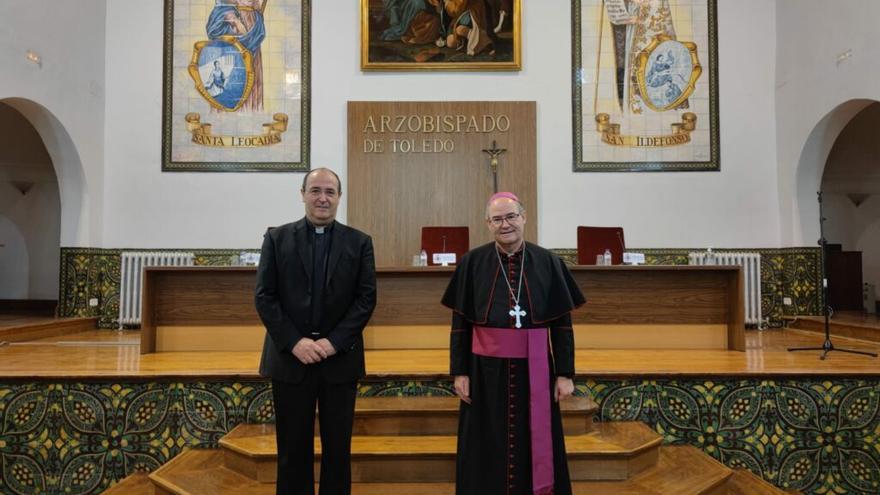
(423, 258)
(607, 260)
(710, 257)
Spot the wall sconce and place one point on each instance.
(22, 186)
(35, 58)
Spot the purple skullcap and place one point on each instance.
(499, 195)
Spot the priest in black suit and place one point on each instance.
(512, 356)
(316, 290)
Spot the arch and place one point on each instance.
(68, 168)
(811, 165)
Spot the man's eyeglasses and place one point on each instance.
(509, 218)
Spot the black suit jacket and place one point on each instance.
(283, 300)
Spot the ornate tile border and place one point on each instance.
(818, 435)
(88, 273)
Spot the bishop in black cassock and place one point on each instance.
(512, 353)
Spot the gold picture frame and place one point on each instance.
(390, 41)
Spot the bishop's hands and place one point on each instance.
(463, 388)
(310, 351)
(564, 388)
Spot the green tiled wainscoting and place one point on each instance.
(817, 435)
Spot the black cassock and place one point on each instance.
(494, 440)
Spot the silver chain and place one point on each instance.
(521, 269)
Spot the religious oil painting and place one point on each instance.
(645, 85)
(462, 35)
(236, 85)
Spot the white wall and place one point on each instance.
(32, 224)
(816, 96)
(867, 244)
(13, 261)
(736, 207)
(63, 99)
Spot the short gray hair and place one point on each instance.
(519, 206)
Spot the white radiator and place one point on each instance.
(751, 266)
(131, 279)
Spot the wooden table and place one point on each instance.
(672, 307)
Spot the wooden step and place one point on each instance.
(201, 471)
(29, 329)
(137, 483)
(680, 470)
(439, 415)
(612, 451)
(744, 482)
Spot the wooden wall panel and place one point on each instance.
(621, 296)
(628, 306)
(393, 194)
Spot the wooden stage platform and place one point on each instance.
(100, 407)
(109, 354)
(851, 324)
(20, 327)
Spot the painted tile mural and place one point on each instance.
(816, 435)
(94, 273)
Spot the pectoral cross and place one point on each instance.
(517, 312)
(493, 163)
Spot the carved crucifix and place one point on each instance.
(493, 163)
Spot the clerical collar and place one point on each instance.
(325, 229)
(502, 252)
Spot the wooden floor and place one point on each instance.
(853, 317)
(850, 324)
(21, 327)
(15, 320)
(107, 353)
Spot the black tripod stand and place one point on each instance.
(827, 346)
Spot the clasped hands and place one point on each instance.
(310, 351)
(563, 389)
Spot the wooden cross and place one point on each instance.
(493, 162)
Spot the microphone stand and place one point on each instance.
(827, 346)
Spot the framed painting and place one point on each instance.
(236, 85)
(454, 35)
(645, 85)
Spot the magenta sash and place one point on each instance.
(528, 343)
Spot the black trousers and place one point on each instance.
(295, 434)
